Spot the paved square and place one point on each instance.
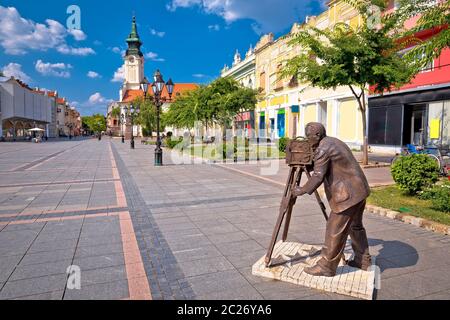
(174, 232)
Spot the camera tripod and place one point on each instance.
(287, 205)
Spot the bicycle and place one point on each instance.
(433, 152)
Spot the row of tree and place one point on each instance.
(215, 103)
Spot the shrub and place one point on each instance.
(282, 144)
(414, 173)
(439, 196)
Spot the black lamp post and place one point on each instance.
(121, 123)
(132, 114)
(157, 88)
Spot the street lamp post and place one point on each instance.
(132, 114)
(157, 88)
(121, 123)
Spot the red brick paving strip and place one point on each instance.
(137, 278)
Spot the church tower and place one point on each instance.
(134, 61)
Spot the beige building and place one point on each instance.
(68, 119)
(286, 105)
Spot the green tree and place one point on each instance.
(432, 16)
(227, 98)
(147, 116)
(355, 57)
(116, 112)
(186, 110)
(95, 123)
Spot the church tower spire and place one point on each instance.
(133, 41)
(134, 61)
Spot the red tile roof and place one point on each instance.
(61, 101)
(132, 95)
(179, 88)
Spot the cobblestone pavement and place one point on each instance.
(375, 176)
(175, 232)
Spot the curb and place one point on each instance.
(373, 166)
(418, 222)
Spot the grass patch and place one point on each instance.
(210, 152)
(394, 199)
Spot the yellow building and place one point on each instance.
(286, 106)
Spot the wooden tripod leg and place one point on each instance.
(283, 209)
(291, 205)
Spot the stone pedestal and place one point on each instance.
(291, 258)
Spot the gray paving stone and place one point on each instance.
(33, 286)
(103, 275)
(205, 266)
(40, 270)
(197, 253)
(98, 250)
(216, 282)
(116, 290)
(50, 246)
(47, 257)
(55, 295)
(7, 266)
(239, 248)
(97, 262)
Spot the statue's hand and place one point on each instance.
(298, 192)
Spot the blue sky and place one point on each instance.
(189, 40)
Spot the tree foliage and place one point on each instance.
(217, 103)
(432, 16)
(356, 57)
(116, 112)
(147, 116)
(95, 123)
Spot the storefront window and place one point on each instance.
(439, 123)
(384, 125)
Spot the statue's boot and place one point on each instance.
(363, 264)
(317, 271)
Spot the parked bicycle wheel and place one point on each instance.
(438, 162)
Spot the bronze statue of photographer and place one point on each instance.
(347, 189)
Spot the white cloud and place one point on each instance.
(268, 15)
(214, 27)
(119, 75)
(97, 99)
(19, 35)
(93, 75)
(65, 49)
(78, 35)
(154, 57)
(199, 75)
(160, 34)
(118, 50)
(15, 70)
(59, 70)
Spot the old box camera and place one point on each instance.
(299, 152)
